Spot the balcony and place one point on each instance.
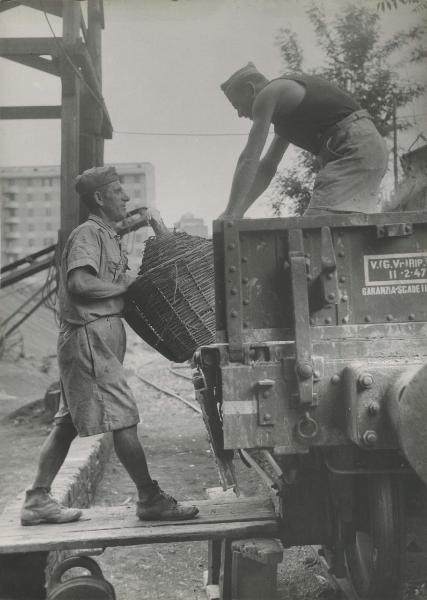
(11, 219)
(12, 235)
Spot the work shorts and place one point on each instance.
(94, 393)
(352, 162)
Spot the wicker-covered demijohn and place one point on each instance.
(171, 305)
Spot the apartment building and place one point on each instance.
(30, 204)
(192, 225)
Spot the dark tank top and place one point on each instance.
(323, 105)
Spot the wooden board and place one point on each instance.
(119, 526)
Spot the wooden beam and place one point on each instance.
(30, 112)
(53, 7)
(25, 272)
(70, 126)
(7, 5)
(29, 259)
(29, 46)
(118, 526)
(37, 62)
(94, 44)
(84, 60)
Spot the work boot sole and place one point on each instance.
(28, 521)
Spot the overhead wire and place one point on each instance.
(100, 100)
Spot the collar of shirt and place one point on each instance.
(111, 232)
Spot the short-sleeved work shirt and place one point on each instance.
(95, 245)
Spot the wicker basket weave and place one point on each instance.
(171, 305)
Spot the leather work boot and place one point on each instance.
(40, 507)
(161, 506)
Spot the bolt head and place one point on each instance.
(234, 313)
(373, 408)
(365, 380)
(267, 417)
(331, 296)
(305, 371)
(370, 437)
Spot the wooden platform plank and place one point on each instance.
(119, 526)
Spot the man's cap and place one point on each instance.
(92, 179)
(249, 69)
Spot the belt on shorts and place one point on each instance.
(355, 116)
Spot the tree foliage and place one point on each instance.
(359, 60)
(394, 4)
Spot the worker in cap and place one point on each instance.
(95, 396)
(93, 179)
(317, 116)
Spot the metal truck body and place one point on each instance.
(318, 378)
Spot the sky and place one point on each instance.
(163, 63)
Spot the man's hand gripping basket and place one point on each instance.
(171, 305)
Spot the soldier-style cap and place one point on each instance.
(250, 69)
(92, 179)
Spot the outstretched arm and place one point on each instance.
(266, 171)
(253, 174)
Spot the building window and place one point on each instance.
(137, 179)
(48, 241)
(29, 197)
(48, 196)
(30, 212)
(11, 212)
(137, 193)
(31, 227)
(48, 211)
(48, 226)
(30, 242)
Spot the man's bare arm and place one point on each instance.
(247, 167)
(253, 175)
(84, 283)
(267, 169)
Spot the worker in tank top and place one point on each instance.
(317, 116)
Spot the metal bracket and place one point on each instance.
(394, 230)
(328, 275)
(303, 346)
(233, 290)
(266, 401)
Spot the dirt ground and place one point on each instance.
(180, 459)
